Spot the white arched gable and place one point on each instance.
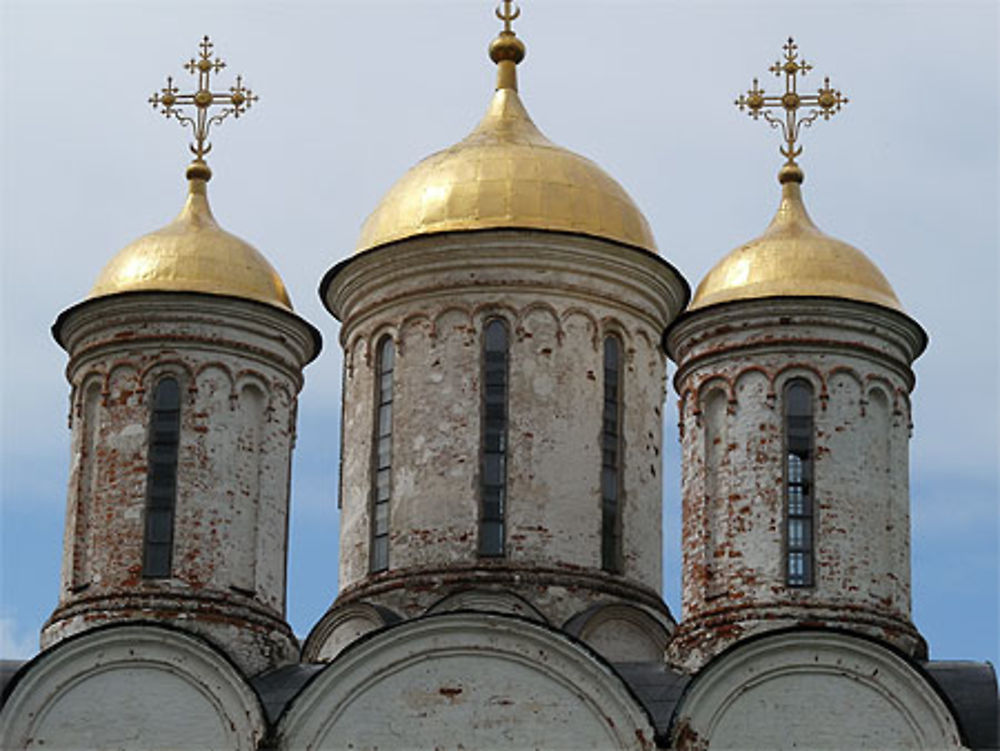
(828, 690)
(472, 680)
(135, 686)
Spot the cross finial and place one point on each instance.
(171, 103)
(825, 103)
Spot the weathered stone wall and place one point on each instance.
(733, 364)
(559, 296)
(239, 366)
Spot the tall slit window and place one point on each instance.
(611, 458)
(161, 483)
(494, 461)
(799, 495)
(382, 456)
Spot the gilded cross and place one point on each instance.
(510, 12)
(236, 101)
(825, 103)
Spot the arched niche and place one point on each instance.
(487, 600)
(621, 632)
(343, 625)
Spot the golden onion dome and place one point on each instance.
(193, 254)
(794, 258)
(505, 173)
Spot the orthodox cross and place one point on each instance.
(510, 12)
(825, 103)
(235, 102)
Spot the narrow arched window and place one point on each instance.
(611, 458)
(493, 485)
(799, 483)
(382, 456)
(161, 482)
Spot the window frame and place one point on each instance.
(612, 558)
(494, 428)
(805, 514)
(161, 498)
(378, 541)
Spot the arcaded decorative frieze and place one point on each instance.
(98, 330)
(501, 262)
(362, 343)
(143, 374)
(752, 330)
(700, 382)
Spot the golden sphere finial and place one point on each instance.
(791, 172)
(507, 50)
(507, 47)
(199, 170)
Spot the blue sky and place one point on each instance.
(353, 93)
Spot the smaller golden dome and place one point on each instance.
(193, 254)
(793, 258)
(506, 173)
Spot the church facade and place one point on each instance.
(506, 323)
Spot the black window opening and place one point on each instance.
(799, 483)
(611, 459)
(382, 456)
(161, 483)
(493, 485)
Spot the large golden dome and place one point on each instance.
(794, 258)
(506, 174)
(193, 254)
